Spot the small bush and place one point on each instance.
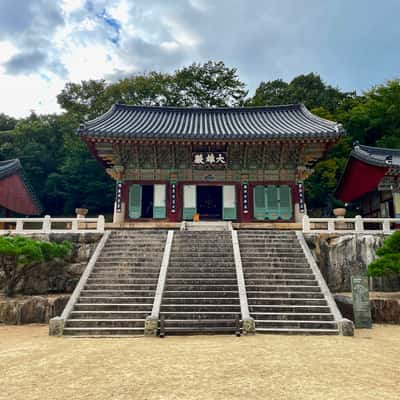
(388, 262)
(18, 254)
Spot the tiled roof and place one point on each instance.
(9, 167)
(377, 156)
(291, 121)
(14, 167)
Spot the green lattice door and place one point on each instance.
(135, 201)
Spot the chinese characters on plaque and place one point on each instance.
(209, 159)
(300, 190)
(119, 196)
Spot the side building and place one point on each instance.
(240, 164)
(372, 177)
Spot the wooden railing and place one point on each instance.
(350, 225)
(51, 225)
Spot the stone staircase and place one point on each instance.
(201, 292)
(119, 293)
(283, 293)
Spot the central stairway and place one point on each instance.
(283, 293)
(119, 293)
(201, 292)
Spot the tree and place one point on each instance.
(309, 89)
(7, 123)
(85, 100)
(211, 84)
(18, 255)
(388, 262)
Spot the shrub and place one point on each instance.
(19, 254)
(388, 262)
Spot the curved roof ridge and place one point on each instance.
(282, 121)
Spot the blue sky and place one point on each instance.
(352, 44)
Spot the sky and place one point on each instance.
(352, 44)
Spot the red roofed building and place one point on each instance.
(16, 194)
(372, 177)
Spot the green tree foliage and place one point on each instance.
(388, 262)
(308, 89)
(7, 123)
(18, 255)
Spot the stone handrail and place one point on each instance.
(345, 326)
(151, 324)
(45, 225)
(348, 225)
(248, 322)
(56, 324)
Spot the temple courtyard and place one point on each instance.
(36, 366)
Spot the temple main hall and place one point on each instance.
(210, 164)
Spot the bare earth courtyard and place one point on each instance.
(36, 366)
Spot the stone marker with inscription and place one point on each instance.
(361, 306)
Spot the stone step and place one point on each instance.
(104, 332)
(261, 296)
(292, 309)
(261, 283)
(199, 293)
(193, 287)
(274, 264)
(259, 276)
(121, 281)
(105, 323)
(281, 288)
(116, 300)
(196, 274)
(188, 264)
(105, 307)
(124, 275)
(118, 293)
(118, 259)
(200, 323)
(216, 307)
(297, 331)
(109, 314)
(125, 268)
(212, 281)
(295, 324)
(207, 255)
(122, 287)
(258, 305)
(275, 257)
(297, 316)
(201, 315)
(254, 270)
(200, 300)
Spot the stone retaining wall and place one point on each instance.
(340, 256)
(59, 276)
(28, 310)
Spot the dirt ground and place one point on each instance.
(36, 366)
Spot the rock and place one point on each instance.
(346, 327)
(385, 311)
(27, 310)
(340, 256)
(58, 276)
(56, 326)
(345, 305)
(34, 310)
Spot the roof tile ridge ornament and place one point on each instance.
(337, 126)
(207, 109)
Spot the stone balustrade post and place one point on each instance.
(74, 225)
(100, 223)
(359, 224)
(46, 227)
(331, 226)
(386, 226)
(19, 226)
(306, 224)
